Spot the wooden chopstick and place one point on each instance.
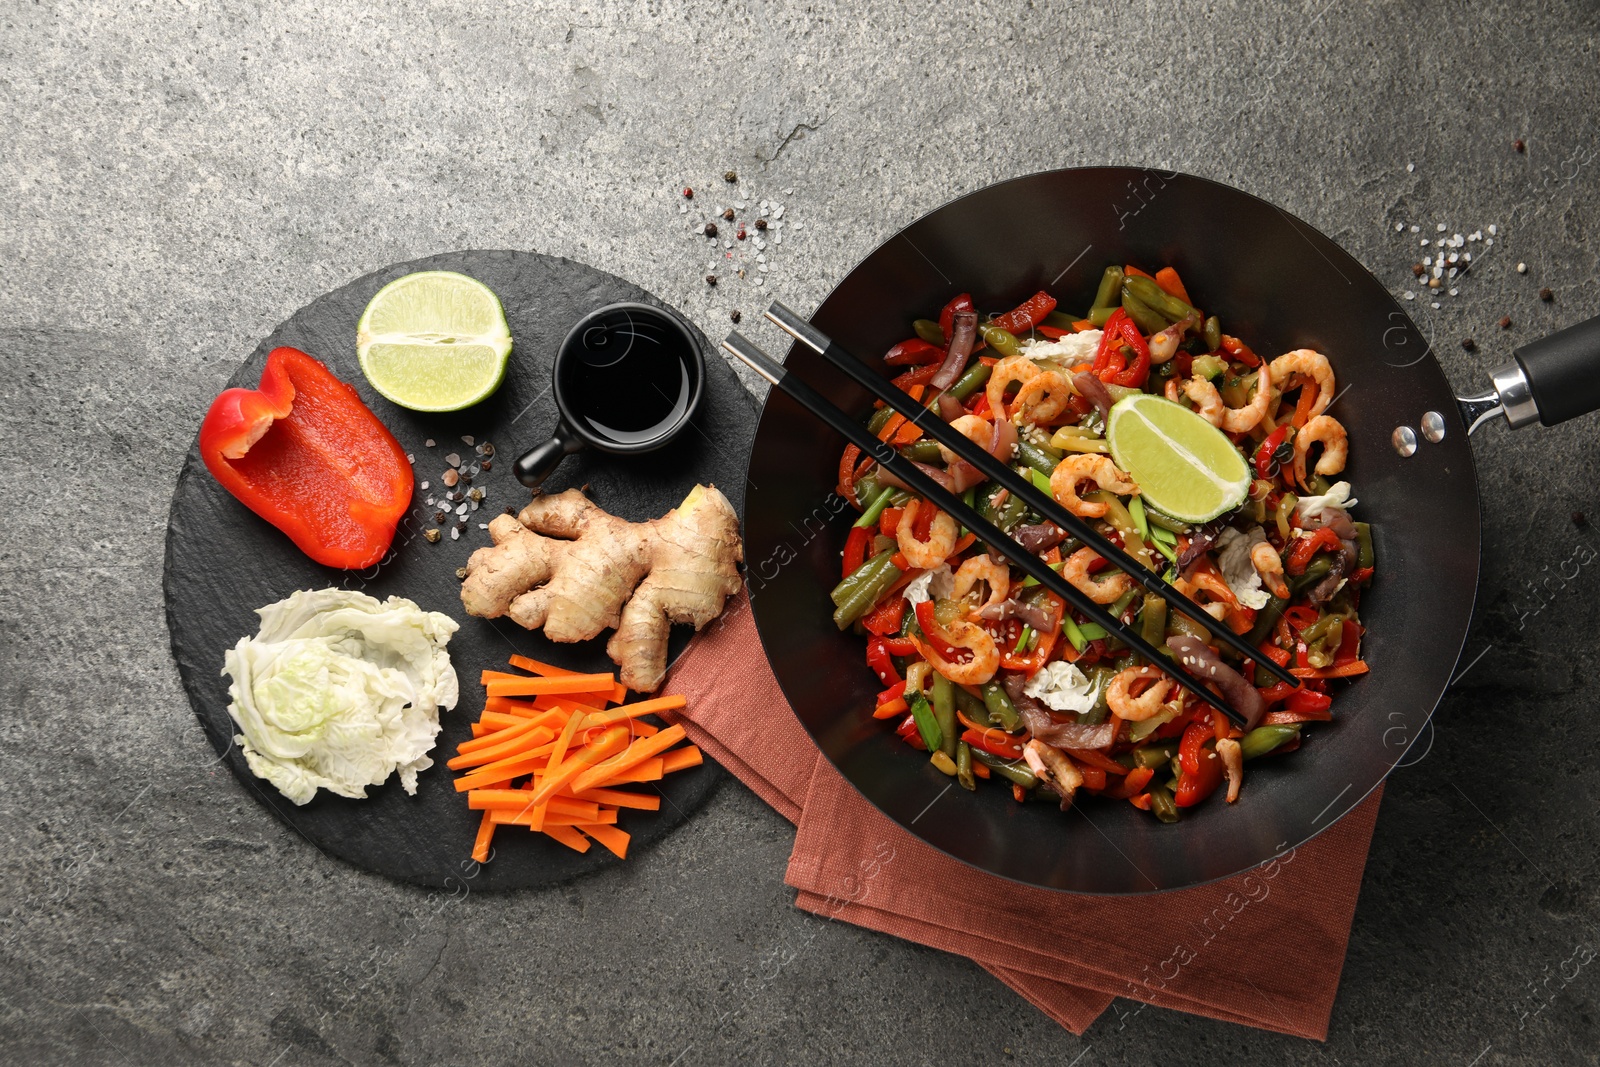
(930, 423)
(757, 360)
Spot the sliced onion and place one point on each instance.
(1044, 620)
(1043, 726)
(950, 408)
(1041, 538)
(887, 477)
(1004, 440)
(1093, 388)
(1204, 664)
(963, 332)
(964, 476)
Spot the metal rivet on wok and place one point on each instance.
(1433, 426)
(1404, 440)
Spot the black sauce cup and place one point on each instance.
(627, 379)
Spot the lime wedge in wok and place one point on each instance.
(1185, 466)
(434, 341)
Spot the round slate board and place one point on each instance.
(222, 562)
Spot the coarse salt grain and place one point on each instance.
(1410, 167)
(425, 485)
(1455, 292)
(1410, 295)
(1441, 227)
(1491, 229)
(454, 459)
(1416, 229)
(1434, 305)
(483, 526)
(429, 442)
(410, 458)
(1399, 227)
(455, 534)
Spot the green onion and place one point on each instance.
(875, 509)
(927, 724)
(1022, 639)
(1040, 479)
(1172, 573)
(1136, 509)
(1074, 635)
(1030, 581)
(1162, 534)
(1091, 631)
(1166, 550)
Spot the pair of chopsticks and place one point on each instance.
(930, 422)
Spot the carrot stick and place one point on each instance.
(1083, 324)
(640, 728)
(636, 709)
(612, 838)
(613, 741)
(570, 837)
(621, 798)
(648, 771)
(548, 670)
(682, 758)
(545, 720)
(499, 720)
(502, 817)
(512, 706)
(486, 777)
(1135, 271)
(636, 754)
(520, 800)
(577, 683)
(485, 677)
(480, 844)
(1172, 285)
(521, 745)
(890, 708)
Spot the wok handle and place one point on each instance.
(1562, 372)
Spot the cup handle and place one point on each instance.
(539, 463)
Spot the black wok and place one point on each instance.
(1277, 283)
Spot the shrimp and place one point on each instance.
(1043, 397)
(1104, 590)
(1306, 365)
(980, 667)
(982, 569)
(1220, 602)
(1207, 401)
(1011, 369)
(1211, 408)
(942, 534)
(1053, 768)
(1088, 466)
(1232, 765)
(1122, 702)
(1269, 565)
(974, 428)
(1326, 431)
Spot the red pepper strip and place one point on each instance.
(923, 521)
(1026, 315)
(878, 659)
(1052, 333)
(910, 734)
(915, 377)
(980, 404)
(1273, 652)
(1300, 616)
(1108, 358)
(898, 689)
(1289, 717)
(891, 707)
(849, 471)
(886, 619)
(1240, 351)
(1200, 768)
(1094, 779)
(1350, 645)
(947, 317)
(1275, 692)
(1133, 784)
(1342, 670)
(1177, 726)
(1089, 757)
(1266, 466)
(1142, 801)
(1361, 576)
(1306, 700)
(994, 741)
(1121, 330)
(855, 549)
(1221, 728)
(900, 646)
(935, 636)
(304, 453)
(1306, 547)
(889, 521)
(914, 352)
(1032, 660)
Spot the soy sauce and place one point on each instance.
(629, 377)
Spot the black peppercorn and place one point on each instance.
(761, 224)
(731, 176)
(1546, 295)
(711, 279)
(734, 315)
(711, 229)
(1469, 344)
(727, 214)
(1505, 322)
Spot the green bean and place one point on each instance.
(922, 451)
(1001, 710)
(972, 707)
(1122, 521)
(1212, 331)
(944, 710)
(999, 340)
(964, 767)
(1264, 739)
(1100, 679)
(1036, 457)
(1011, 513)
(1207, 366)
(1179, 623)
(860, 600)
(970, 380)
(855, 579)
(1157, 299)
(1285, 511)
(1266, 619)
(1162, 804)
(1154, 755)
(867, 488)
(1014, 771)
(1122, 602)
(1364, 554)
(1153, 619)
(874, 510)
(1166, 522)
(880, 419)
(1100, 316)
(1316, 570)
(1144, 316)
(1320, 485)
(1109, 294)
(1320, 629)
(929, 331)
(1059, 320)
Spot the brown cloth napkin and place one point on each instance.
(1264, 948)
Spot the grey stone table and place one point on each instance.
(177, 179)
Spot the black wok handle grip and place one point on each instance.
(1563, 372)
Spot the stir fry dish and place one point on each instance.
(1203, 461)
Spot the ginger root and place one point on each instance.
(566, 565)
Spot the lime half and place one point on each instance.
(1185, 466)
(434, 341)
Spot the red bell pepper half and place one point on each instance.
(304, 453)
(1200, 767)
(1027, 315)
(1110, 365)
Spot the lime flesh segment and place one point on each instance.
(1185, 467)
(434, 341)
